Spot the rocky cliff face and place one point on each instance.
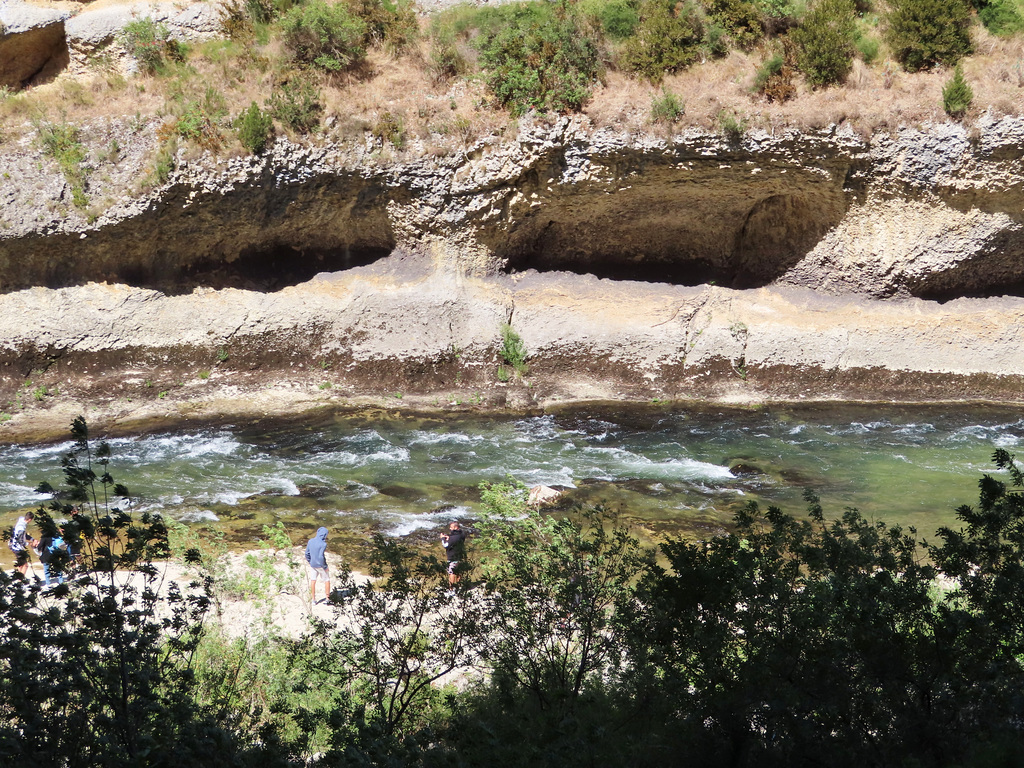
(770, 266)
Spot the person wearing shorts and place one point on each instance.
(21, 541)
(316, 556)
(454, 549)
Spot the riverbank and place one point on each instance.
(402, 336)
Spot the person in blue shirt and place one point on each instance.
(316, 556)
(53, 554)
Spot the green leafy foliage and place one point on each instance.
(389, 24)
(200, 119)
(554, 585)
(823, 637)
(297, 105)
(824, 42)
(254, 128)
(327, 37)
(617, 19)
(668, 39)
(538, 58)
(98, 670)
(391, 640)
(774, 79)
(62, 142)
(739, 18)
(957, 94)
(513, 350)
(667, 108)
(924, 33)
(1002, 17)
(733, 126)
(150, 44)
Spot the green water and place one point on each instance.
(668, 469)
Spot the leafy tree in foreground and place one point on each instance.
(554, 585)
(800, 641)
(97, 671)
(389, 642)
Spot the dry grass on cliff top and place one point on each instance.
(445, 116)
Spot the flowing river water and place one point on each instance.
(681, 472)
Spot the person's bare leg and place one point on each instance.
(327, 591)
(312, 591)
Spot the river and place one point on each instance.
(675, 471)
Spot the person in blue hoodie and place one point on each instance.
(316, 556)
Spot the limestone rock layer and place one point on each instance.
(789, 266)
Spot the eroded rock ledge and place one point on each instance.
(784, 266)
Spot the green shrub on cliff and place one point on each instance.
(254, 128)
(1002, 17)
(513, 350)
(538, 58)
(297, 104)
(389, 24)
(824, 42)
(150, 44)
(923, 33)
(327, 37)
(957, 94)
(668, 39)
(62, 142)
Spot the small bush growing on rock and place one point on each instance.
(62, 142)
(390, 24)
(390, 128)
(150, 44)
(824, 42)
(199, 120)
(513, 350)
(774, 79)
(957, 94)
(254, 127)
(539, 58)
(667, 108)
(732, 125)
(297, 105)
(923, 33)
(324, 36)
(668, 39)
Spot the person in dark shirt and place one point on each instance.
(454, 543)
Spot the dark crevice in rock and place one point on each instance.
(256, 269)
(613, 267)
